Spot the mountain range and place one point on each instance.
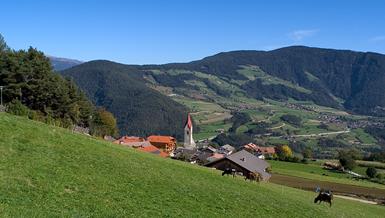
(63, 63)
(139, 95)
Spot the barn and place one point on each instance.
(244, 162)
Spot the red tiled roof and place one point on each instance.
(127, 139)
(260, 149)
(188, 121)
(217, 156)
(161, 139)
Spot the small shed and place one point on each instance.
(244, 162)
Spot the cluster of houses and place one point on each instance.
(248, 159)
(155, 144)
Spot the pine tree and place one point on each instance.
(3, 44)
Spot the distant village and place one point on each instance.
(249, 160)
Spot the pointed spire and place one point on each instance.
(189, 121)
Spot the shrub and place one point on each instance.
(348, 162)
(371, 172)
(347, 158)
(284, 152)
(17, 108)
(269, 170)
(305, 161)
(380, 176)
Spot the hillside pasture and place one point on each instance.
(50, 172)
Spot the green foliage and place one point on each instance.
(120, 89)
(371, 172)
(32, 89)
(27, 75)
(3, 44)
(17, 108)
(284, 152)
(104, 123)
(292, 119)
(376, 131)
(236, 140)
(307, 153)
(332, 143)
(347, 158)
(239, 119)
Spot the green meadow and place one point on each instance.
(50, 172)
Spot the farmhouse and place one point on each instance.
(165, 143)
(243, 162)
(259, 150)
(226, 149)
(129, 139)
(137, 144)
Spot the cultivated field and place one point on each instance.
(314, 171)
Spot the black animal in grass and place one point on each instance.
(229, 171)
(326, 196)
(253, 176)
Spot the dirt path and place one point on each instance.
(323, 134)
(277, 127)
(374, 194)
(355, 199)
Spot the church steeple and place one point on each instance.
(188, 133)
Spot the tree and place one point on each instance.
(292, 119)
(348, 162)
(284, 152)
(307, 153)
(347, 159)
(371, 172)
(104, 123)
(17, 108)
(29, 78)
(3, 44)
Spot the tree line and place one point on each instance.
(32, 89)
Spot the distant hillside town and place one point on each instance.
(245, 161)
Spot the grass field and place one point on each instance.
(315, 171)
(49, 172)
(254, 72)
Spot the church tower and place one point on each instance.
(188, 133)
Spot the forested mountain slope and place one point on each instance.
(347, 80)
(139, 109)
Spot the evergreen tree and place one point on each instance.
(32, 87)
(3, 44)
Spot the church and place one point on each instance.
(188, 133)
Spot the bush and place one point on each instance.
(305, 161)
(17, 108)
(348, 158)
(348, 162)
(371, 172)
(380, 176)
(284, 152)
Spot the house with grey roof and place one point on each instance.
(244, 162)
(226, 149)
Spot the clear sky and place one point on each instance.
(162, 31)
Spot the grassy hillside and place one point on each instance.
(47, 172)
(316, 172)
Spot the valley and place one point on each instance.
(212, 113)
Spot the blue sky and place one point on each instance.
(145, 31)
